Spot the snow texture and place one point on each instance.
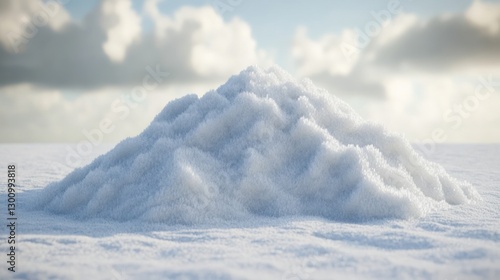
(262, 144)
(460, 242)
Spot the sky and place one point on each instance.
(100, 70)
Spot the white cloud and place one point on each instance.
(20, 20)
(422, 67)
(323, 55)
(108, 48)
(161, 21)
(426, 70)
(218, 47)
(33, 114)
(485, 15)
(122, 25)
(455, 42)
(326, 62)
(102, 58)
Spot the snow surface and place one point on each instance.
(458, 242)
(262, 144)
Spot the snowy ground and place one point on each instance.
(460, 242)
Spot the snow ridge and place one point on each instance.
(262, 144)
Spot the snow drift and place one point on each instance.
(261, 144)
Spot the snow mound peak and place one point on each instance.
(262, 144)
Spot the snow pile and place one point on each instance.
(261, 144)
